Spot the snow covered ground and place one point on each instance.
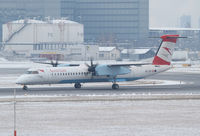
(190, 69)
(14, 64)
(103, 118)
(125, 117)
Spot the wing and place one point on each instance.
(59, 64)
(107, 70)
(115, 69)
(68, 65)
(48, 63)
(129, 64)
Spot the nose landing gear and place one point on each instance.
(25, 87)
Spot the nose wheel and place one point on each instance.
(115, 86)
(25, 87)
(77, 85)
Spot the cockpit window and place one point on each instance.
(32, 72)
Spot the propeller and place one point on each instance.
(92, 67)
(54, 64)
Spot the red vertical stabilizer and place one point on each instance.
(165, 51)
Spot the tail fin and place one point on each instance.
(165, 51)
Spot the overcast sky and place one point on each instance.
(166, 13)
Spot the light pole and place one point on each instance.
(15, 132)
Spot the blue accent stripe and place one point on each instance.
(99, 80)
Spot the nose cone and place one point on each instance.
(20, 81)
(29, 80)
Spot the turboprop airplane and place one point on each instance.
(103, 72)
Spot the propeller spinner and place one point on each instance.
(54, 64)
(92, 67)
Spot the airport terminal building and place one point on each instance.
(11, 10)
(103, 20)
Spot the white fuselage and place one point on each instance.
(80, 74)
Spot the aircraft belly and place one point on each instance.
(99, 79)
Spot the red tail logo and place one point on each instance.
(165, 51)
(168, 50)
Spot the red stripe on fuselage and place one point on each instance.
(158, 61)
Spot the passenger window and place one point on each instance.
(32, 72)
(28, 72)
(35, 72)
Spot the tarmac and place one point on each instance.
(163, 105)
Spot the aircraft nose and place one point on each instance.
(20, 81)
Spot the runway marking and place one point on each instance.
(127, 97)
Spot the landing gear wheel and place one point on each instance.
(77, 85)
(25, 87)
(115, 86)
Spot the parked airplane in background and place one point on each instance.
(103, 72)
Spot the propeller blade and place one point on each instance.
(92, 67)
(91, 62)
(54, 64)
(87, 65)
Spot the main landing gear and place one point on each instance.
(115, 86)
(25, 87)
(77, 85)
